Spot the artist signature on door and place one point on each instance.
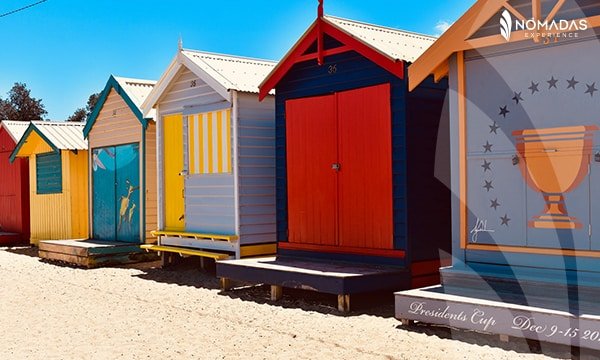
(480, 226)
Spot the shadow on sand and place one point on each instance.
(188, 272)
(518, 345)
(30, 251)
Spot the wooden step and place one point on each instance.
(92, 253)
(185, 251)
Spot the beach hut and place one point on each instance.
(14, 186)
(58, 180)
(122, 164)
(216, 157)
(355, 165)
(525, 157)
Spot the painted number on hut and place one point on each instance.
(332, 69)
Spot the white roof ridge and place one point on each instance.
(382, 27)
(135, 80)
(239, 57)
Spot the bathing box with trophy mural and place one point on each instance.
(525, 149)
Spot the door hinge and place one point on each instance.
(590, 230)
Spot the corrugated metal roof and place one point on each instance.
(233, 72)
(137, 89)
(63, 135)
(15, 129)
(397, 44)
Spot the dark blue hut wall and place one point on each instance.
(428, 169)
(352, 71)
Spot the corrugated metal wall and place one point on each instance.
(256, 152)
(14, 189)
(61, 216)
(183, 92)
(151, 191)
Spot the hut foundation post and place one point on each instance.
(276, 292)
(344, 303)
(225, 284)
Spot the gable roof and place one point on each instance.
(137, 89)
(222, 72)
(387, 47)
(58, 136)
(15, 129)
(132, 91)
(395, 43)
(456, 38)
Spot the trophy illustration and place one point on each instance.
(554, 161)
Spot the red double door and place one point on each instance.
(339, 167)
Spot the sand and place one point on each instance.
(52, 311)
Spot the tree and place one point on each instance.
(20, 105)
(82, 114)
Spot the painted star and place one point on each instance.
(517, 97)
(495, 204)
(504, 111)
(494, 128)
(487, 147)
(505, 219)
(572, 83)
(591, 89)
(487, 165)
(552, 83)
(488, 185)
(534, 87)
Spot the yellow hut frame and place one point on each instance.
(58, 177)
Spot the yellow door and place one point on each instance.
(173, 163)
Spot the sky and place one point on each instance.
(65, 50)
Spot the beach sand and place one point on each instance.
(52, 311)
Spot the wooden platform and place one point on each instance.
(342, 279)
(568, 320)
(93, 253)
(9, 239)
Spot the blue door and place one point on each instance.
(103, 178)
(128, 193)
(116, 199)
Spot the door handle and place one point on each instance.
(336, 166)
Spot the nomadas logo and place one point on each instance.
(537, 28)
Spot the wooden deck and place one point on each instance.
(552, 318)
(93, 253)
(342, 279)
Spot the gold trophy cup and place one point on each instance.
(554, 161)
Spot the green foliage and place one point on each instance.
(20, 105)
(82, 114)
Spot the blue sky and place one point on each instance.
(65, 50)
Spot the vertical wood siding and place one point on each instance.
(78, 171)
(353, 71)
(64, 215)
(14, 189)
(256, 173)
(151, 191)
(209, 142)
